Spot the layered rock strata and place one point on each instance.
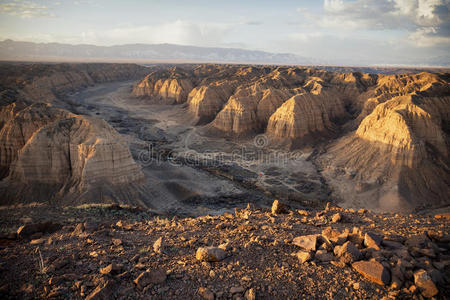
(388, 135)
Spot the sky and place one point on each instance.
(381, 30)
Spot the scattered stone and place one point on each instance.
(111, 269)
(150, 276)
(279, 208)
(206, 293)
(38, 241)
(373, 271)
(392, 244)
(336, 218)
(102, 292)
(348, 252)
(78, 229)
(372, 240)
(397, 277)
(210, 254)
(426, 285)
(304, 256)
(29, 229)
(237, 290)
(250, 294)
(307, 242)
(323, 256)
(116, 242)
(418, 241)
(158, 245)
(333, 236)
(225, 246)
(360, 285)
(443, 216)
(302, 212)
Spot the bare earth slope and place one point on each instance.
(112, 252)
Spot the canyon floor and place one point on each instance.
(209, 226)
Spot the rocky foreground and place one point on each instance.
(117, 252)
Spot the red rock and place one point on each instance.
(111, 268)
(423, 281)
(372, 240)
(102, 292)
(373, 271)
(303, 256)
(348, 252)
(150, 276)
(30, 229)
(211, 254)
(206, 293)
(279, 208)
(307, 242)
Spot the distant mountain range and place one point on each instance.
(147, 53)
(12, 50)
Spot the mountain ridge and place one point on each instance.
(165, 52)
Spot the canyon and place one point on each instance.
(383, 138)
(208, 181)
(303, 135)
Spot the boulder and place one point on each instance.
(29, 229)
(348, 252)
(372, 240)
(336, 218)
(206, 293)
(279, 208)
(210, 254)
(304, 256)
(323, 256)
(373, 271)
(426, 285)
(158, 245)
(147, 277)
(307, 242)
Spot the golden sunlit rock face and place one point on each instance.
(50, 153)
(46, 150)
(389, 132)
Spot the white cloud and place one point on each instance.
(25, 9)
(177, 32)
(425, 21)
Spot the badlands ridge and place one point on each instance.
(378, 141)
(383, 137)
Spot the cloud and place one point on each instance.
(176, 32)
(426, 21)
(253, 23)
(25, 9)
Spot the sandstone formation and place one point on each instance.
(241, 100)
(72, 156)
(390, 126)
(207, 100)
(306, 114)
(21, 126)
(50, 154)
(46, 82)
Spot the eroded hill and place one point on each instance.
(48, 154)
(384, 138)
